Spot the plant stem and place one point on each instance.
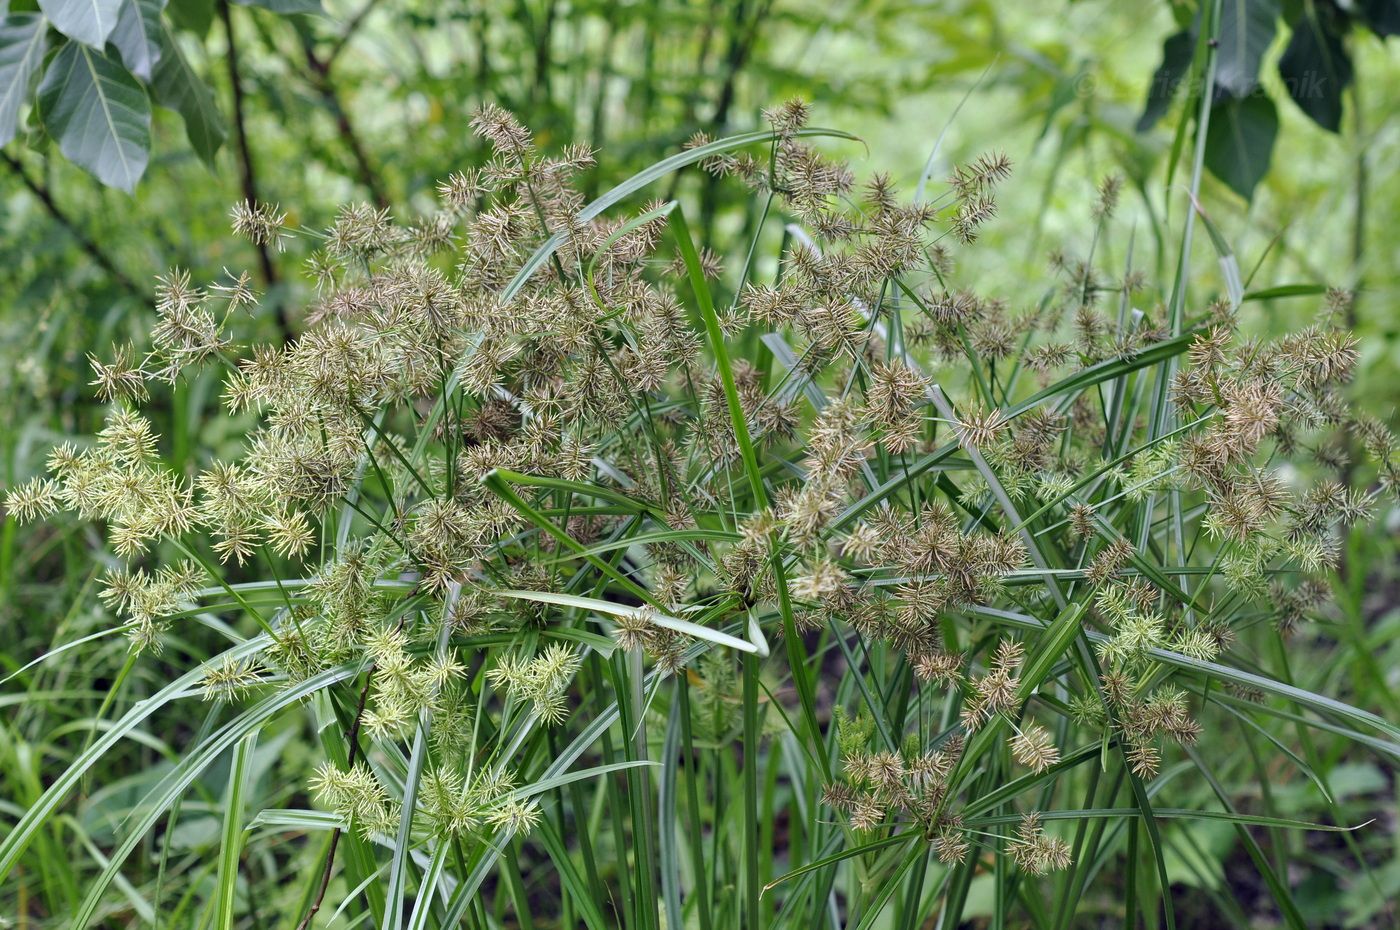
(353, 751)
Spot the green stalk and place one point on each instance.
(231, 847)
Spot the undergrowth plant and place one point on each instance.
(615, 603)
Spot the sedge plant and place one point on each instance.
(611, 602)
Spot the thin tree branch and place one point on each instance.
(94, 251)
(351, 28)
(245, 163)
(1362, 195)
(320, 74)
(541, 88)
(741, 45)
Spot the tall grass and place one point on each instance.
(578, 590)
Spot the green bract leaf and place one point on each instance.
(616, 610)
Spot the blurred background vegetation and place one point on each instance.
(368, 100)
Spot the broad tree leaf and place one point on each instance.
(177, 87)
(23, 39)
(1383, 16)
(1176, 62)
(1246, 29)
(86, 21)
(1316, 68)
(285, 7)
(137, 36)
(193, 15)
(1240, 141)
(98, 113)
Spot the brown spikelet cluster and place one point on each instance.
(1036, 851)
(879, 786)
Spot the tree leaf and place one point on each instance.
(1316, 68)
(1176, 62)
(1240, 141)
(1383, 16)
(86, 21)
(1246, 29)
(193, 15)
(23, 39)
(176, 87)
(284, 7)
(137, 36)
(98, 113)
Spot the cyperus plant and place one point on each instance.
(1005, 547)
